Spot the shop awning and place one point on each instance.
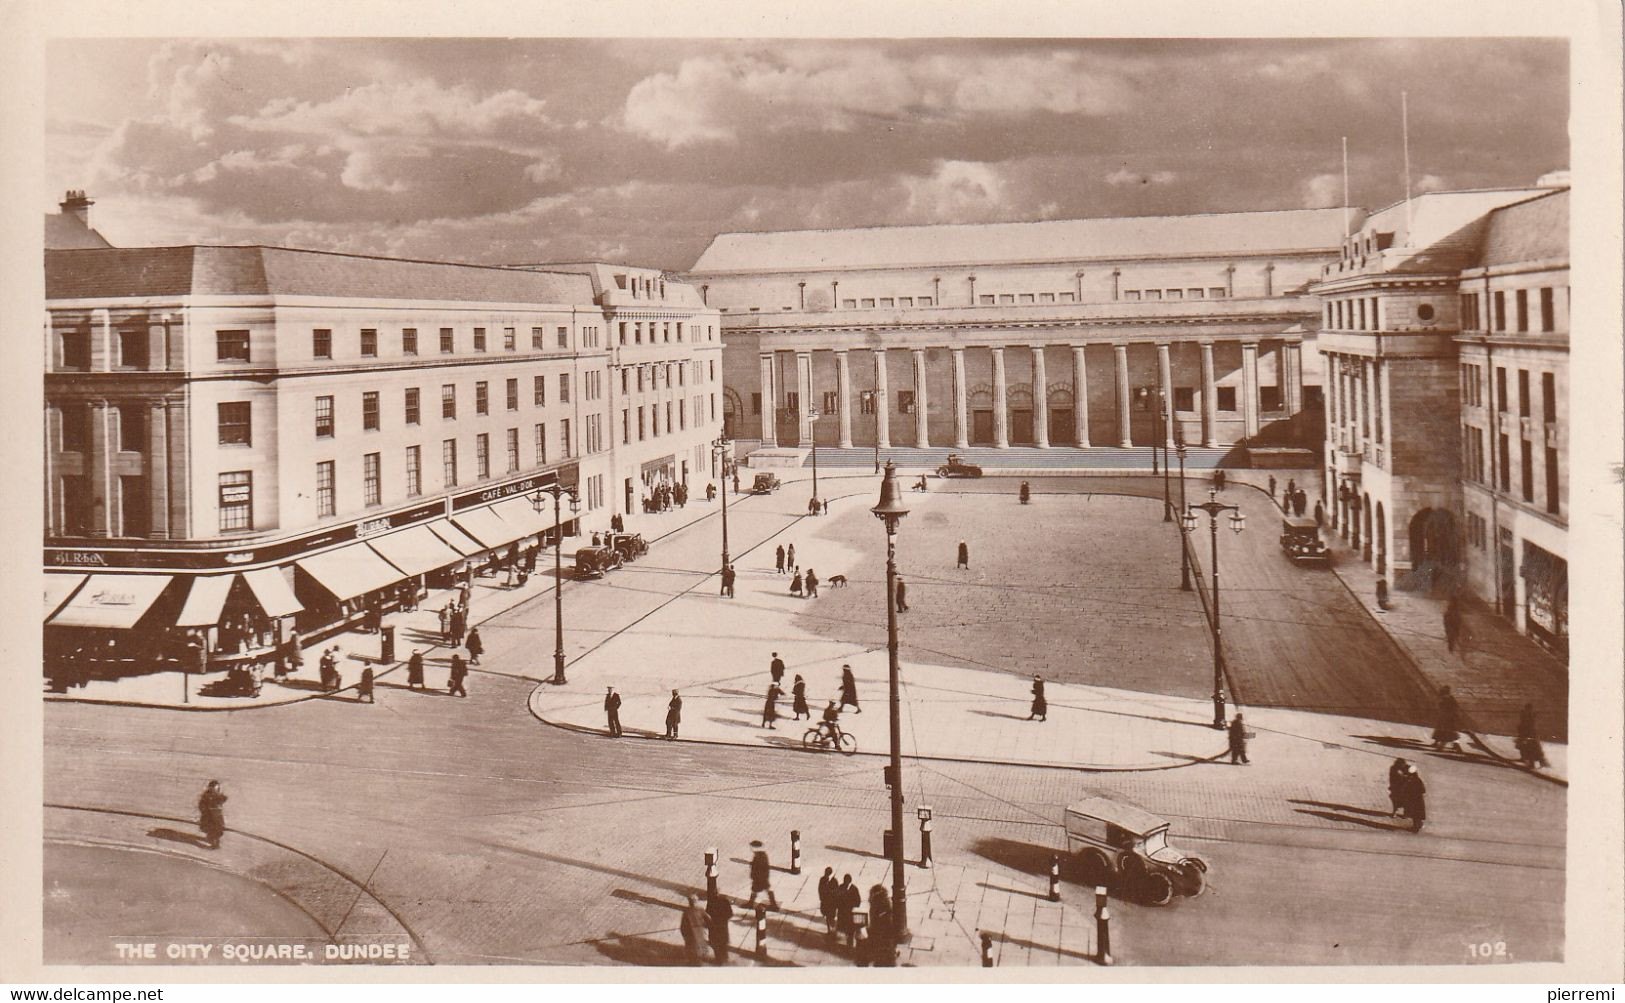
(519, 512)
(113, 602)
(205, 600)
(350, 571)
(455, 538)
(415, 551)
(487, 527)
(272, 590)
(57, 590)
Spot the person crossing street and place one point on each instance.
(674, 715)
(612, 711)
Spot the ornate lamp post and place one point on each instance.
(1238, 522)
(539, 503)
(1162, 439)
(812, 423)
(891, 511)
(721, 446)
(876, 399)
(1184, 534)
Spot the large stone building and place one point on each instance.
(1445, 334)
(257, 438)
(1047, 334)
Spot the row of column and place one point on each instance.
(1292, 381)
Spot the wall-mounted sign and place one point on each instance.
(497, 492)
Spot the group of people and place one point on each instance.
(1407, 795)
(1294, 500)
(664, 496)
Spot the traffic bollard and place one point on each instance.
(710, 874)
(761, 931)
(1103, 929)
(795, 851)
(925, 840)
(1055, 878)
(987, 950)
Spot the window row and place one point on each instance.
(1482, 312)
(675, 413)
(235, 422)
(632, 332)
(1192, 293)
(653, 376)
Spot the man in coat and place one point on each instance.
(459, 672)
(475, 646)
(776, 669)
(728, 581)
(848, 899)
(718, 913)
(1396, 786)
(778, 559)
(790, 556)
(1416, 807)
(1287, 499)
(812, 584)
(849, 690)
(612, 710)
(964, 555)
(798, 697)
(770, 706)
(414, 671)
(761, 875)
(211, 810)
(1447, 732)
(694, 932)
(1238, 742)
(363, 691)
(674, 714)
(1452, 623)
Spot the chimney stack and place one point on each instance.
(76, 204)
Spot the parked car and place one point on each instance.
(955, 467)
(629, 546)
(1115, 842)
(1300, 541)
(764, 484)
(594, 562)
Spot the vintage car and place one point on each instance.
(628, 546)
(1300, 541)
(1115, 842)
(593, 562)
(764, 484)
(955, 467)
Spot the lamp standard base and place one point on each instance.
(1218, 712)
(558, 670)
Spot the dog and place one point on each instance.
(837, 581)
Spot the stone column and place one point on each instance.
(882, 404)
(1367, 401)
(770, 435)
(158, 469)
(922, 437)
(1294, 377)
(1080, 397)
(1165, 373)
(961, 424)
(843, 404)
(1001, 415)
(1125, 434)
(804, 398)
(98, 460)
(1040, 399)
(1210, 399)
(1249, 388)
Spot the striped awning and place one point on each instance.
(455, 538)
(415, 551)
(204, 601)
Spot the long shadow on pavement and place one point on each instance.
(1040, 948)
(176, 836)
(631, 949)
(1028, 858)
(1332, 816)
(1044, 896)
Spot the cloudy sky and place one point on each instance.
(641, 150)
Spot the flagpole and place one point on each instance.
(1405, 126)
(1345, 186)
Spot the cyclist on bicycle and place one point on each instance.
(831, 724)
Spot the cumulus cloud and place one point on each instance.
(1123, 176)
(419, 108)
(1432, 183)
(956, 191)
(1323, 191)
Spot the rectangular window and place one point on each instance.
(409, 341)
(231, 346)
(1226, 398)
(564, 439)
(640, 424)
(564, 388)
(1216, 292)
(1153, 294)
(236, 423)
(482, 456)
(626, 426)
(1131, 294)
(924, 300)
(324, 417)
(1269, 399)
(1551, 481)
(371, 480)
(448, 342)
(564, 336)
(448, 462)
(132, 351)
(448, 400)
(1521, 301)
(905, 402)
(1195, 294)
(414, 414)
(538, 390)
(1025, 298)
(1500, 389)
(414, 471)
(711, 369)
(479, 339)
(1175, 294)
(1548, 310)
(1184, 398)
(324, 489)
(513, 395)
(1526, 458)
(75, 349)
(1500, 310)
(1523, 393)
(510, 339)
(482, 397)
(986, 299)
(369, 411)
(1548, 398)
(1506, 462)
(668, 417)
(866, 302)
(755, 407)
(132, 430)
(513, 450)
(369, 343)
(236, 500)
(623, 332)
(832, 402)
(75, 428)
(541, 445)
(905, 301)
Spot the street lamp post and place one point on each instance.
(812, 423)
(721, 446)
(537, 502)
(891, 511)
(1162, 438)
(1238, 522)
(1184, 535)
(876, 399)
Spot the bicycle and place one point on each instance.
(818, 738)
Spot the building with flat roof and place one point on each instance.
(1054, 333)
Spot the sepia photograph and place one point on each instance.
(718, 502)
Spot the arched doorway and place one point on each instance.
(1435, 554)
(733, 413)
(1019, 398)
(1061, 411)
(1382, 541)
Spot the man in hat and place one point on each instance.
(459, 672)
(761, 874)
(776, 668)
(674, 714)
(1238, 742)
(612, 709)
(964, 555)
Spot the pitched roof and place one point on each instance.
(249, 271)
(1447, 230)
(1046, 240)
(64, 231)
(1536, 230)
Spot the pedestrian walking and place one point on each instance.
(617, 523)
(459, 672)
(778, 559)
(1288, 499)
(612, 710)
(1320, 513)
(882, 942)
(1238, 742)
(728, 581)
(736, 480)
(1300, 502)
(798, 697)
(848, 901)
(902, 596)
(1291, 487)
(770, 706)
(475, 646)
(1218, 480)
(211, 814)
(363, 690)
(795, 584)
(596, 541)
(1416, 802)
(694, 932)
(1026, 493)
(812, 584)
(813, 507)
(761, 875)
(829, 896)
(1040, 709)
(710, 492)
(457, 624)
(718, 913)
(1447, 727)
(414, 671)
(465, 592)
(1396, 786)
(776, 669)
(674, 714)
(1452, 623)
(964, 555)
(849, 690)
(1530, 752)
(790, 556)
(294, 659)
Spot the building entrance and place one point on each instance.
(981, 425)
(1021, 427)
(1060, 427)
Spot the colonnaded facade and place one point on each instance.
(1069, 333)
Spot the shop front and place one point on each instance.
(1546, 591)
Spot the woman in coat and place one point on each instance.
(211, 811)
(475, 646)
(849, 690)
(414, 671)
(882, 935)
(795, 584)
(770, 706)
(1416, 804)
(798, 693)
(1040, 704)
